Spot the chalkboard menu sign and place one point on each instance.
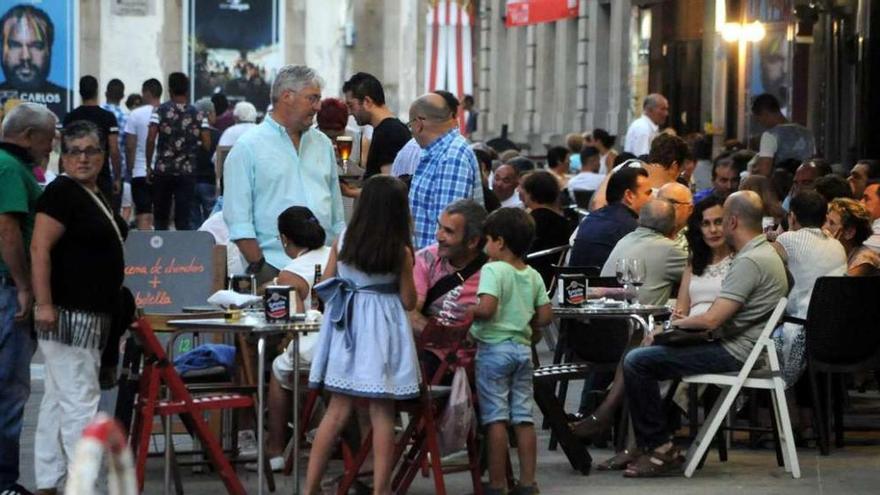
(169, 270)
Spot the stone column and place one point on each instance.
(619, 53)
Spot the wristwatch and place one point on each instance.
(256, 266)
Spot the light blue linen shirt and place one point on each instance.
(264, 175)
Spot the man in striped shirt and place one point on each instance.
(448, 168)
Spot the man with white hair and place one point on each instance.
(282, 162)
(644, 129)
(245, 115)
(28, 131)
(664, 259)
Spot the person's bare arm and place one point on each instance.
(485, 307)
(763, 166)
(130, 151)
(683, 301)
(250, 249)
(407, 285)
(151, 149)
(720, 311)
(47, 232)
(206, 139)
(12, 251)
(115, 161)
(299, 285)
(330, 270)
(598, 200)
(543, 316)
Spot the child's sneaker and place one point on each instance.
(247, 444)
(525, 490)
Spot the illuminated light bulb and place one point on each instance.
(731, 31)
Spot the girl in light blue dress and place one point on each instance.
(366, 347)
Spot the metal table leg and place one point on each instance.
(261, 352)
(295, 407)
(168, 452)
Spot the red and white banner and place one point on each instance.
(524, 12)
(450, 64)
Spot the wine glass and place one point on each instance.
(621, 271)
(637, 272)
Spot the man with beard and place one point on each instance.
(365, 99)
(28, 34)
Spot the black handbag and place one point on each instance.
(678, 337)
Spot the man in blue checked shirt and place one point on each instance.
(447, 171)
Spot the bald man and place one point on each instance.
(750, 291)
(683, 202)
(644, 129)
(448, 169)
(804, 180)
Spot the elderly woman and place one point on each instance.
(850, 223)
(77, 258)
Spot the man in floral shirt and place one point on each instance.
(180, 130)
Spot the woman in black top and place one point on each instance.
(540, 193)
(77, 256)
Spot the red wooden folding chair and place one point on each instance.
(158, 371)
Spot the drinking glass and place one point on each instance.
(637, 272)
(621, 271)
(344, 145)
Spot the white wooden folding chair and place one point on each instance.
(748, 377)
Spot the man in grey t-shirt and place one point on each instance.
(783, 142)
(749, 293)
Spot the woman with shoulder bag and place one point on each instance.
(77, 256)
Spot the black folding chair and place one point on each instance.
(842, 337)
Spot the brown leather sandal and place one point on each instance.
(589, 428)
(655, 464)
(620, 461)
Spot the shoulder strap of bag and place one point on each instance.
(453, 280)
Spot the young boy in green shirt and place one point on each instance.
(512, 299)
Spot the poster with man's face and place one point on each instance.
(37, 52)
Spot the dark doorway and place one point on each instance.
(681, 84)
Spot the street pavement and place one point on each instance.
(854, 469)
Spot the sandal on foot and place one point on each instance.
(588, 428)
(655, 464)
(619, 462)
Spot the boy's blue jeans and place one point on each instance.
(16, 349)
(504, 383)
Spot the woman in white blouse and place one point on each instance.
(709, 261)
(303, 240)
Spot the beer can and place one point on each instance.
(277, 302)
(574, 289)
(243, 284)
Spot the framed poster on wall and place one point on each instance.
(39, 52)
(233, 47)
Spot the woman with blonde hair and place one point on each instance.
(849, 222)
